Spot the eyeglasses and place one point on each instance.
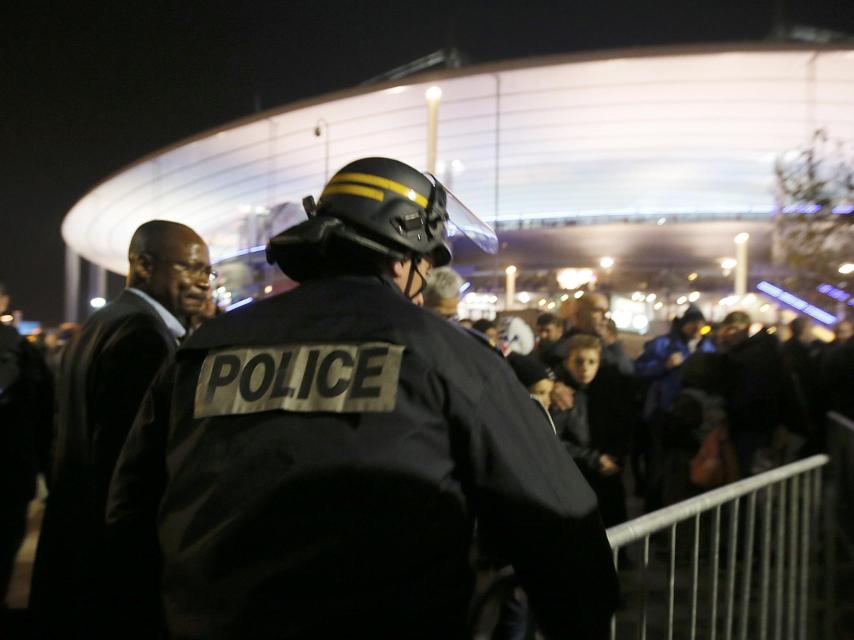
(197, 270)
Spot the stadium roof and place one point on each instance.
(689, 131)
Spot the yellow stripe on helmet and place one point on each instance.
(384, 183)
(353, 190)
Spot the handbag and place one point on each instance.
(715, 463)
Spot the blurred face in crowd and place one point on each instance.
(542, 392)
(692, 329)
(549, 332)
(583, 365)
(590, 314)
(844, 330)
(732, 334)
(492, 335)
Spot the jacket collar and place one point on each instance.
(172, 324)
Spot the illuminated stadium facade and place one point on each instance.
(669, 152)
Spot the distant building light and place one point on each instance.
(765, 307)
(705, 330)
(694, 296)
(793, 301)
(741, 238)
(523, 297)
(7, 319)
(651, 297)
(433, 93)
(542, 302)
(661, 221)
(833, 292)
(574, 278)
(658, 305)
(268, 289)
(465, 286)
(239, 303)
(577, 295)
(728, 264)
(551, 305)
(846, 268)
(564, 297)
(681, 299)
(693, 276)
(607, 262)
(97, 303)
(510, 270)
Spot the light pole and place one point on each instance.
(433, 96)
(510, 286)
(325, 132)
(741, 264)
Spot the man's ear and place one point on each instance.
(141, 267)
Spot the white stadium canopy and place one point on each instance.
(693, 131)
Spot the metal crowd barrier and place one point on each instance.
(768, 596)
(839, 522)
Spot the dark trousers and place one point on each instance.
(13, 528)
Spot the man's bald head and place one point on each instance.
(160, 237)
(170, 262)
(589, 313)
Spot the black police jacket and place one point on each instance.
(327, 452)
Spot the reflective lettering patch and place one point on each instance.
(319, 377)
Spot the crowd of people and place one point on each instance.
(314, 464)
(732, 386)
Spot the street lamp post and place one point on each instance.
(510, 286)
(741, 264)
(433, 96)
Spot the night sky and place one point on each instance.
(89, 87)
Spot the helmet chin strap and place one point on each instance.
(413, 269)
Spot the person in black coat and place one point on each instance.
(106, 371)
(26, 416)
(759, 395)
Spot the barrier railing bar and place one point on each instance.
(616, 554)
(716, 557)
(805, 556)
(622, 534)
(781, 561)
(643, 568)
(694, 577)
(672, 582)
(766, 562)
(730, 576)
(816, 515)
(748, 566)
(792, 607)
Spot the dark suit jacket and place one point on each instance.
(105, 374)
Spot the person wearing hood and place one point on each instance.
(660, 366)
(663, 356)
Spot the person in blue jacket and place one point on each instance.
(660, 365)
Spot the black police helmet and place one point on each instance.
(383, 206)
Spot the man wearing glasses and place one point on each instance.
(105, 374)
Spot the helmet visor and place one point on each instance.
(466, 221)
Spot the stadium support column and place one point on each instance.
(97, 282)
(434, 96)
(72, 285)
(741, 264)
(510, 287)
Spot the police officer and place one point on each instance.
(328, 450)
